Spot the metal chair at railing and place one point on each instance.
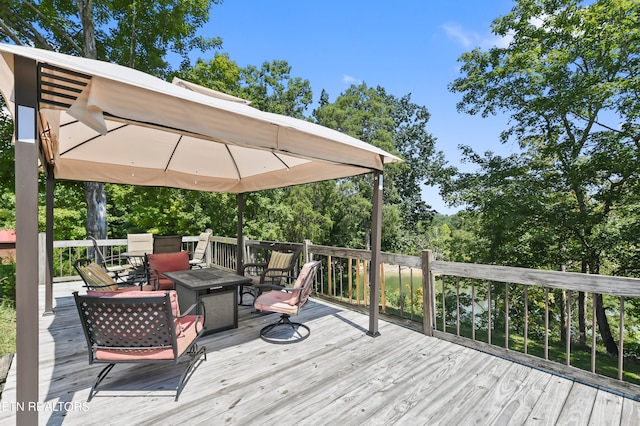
(198, 256)
(108, 262)
(281, 267)
(167, 243)
(96, 277)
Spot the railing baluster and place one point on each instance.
(365, 287)
(350, 278)
(568, 330)
(358, 281)
(412, 304)
(506, 315)
(526, 319)
(593, 332)
(473, 309)
(489, 322)
(457, 306)
(546, 323)
(400, 293)
(329, 277)
(382, 289)
(444, 309)
(621, 340)
(341, 272)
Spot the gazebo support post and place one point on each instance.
(26, 169)
(376, 237)
(240, 243)
(48, 277)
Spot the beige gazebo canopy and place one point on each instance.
(109, 123)
(89, 120)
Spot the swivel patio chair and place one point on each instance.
(139, 327)
(281, 267)
(198, 256)
(287, 301)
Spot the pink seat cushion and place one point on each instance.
(167, 262)
(275, 301)
(190, 326)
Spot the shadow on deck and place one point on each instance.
(338, 375)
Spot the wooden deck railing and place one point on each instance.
(527, 315)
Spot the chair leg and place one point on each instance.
(101, 376)
(242, 292)
(270, 334)
(195, 354)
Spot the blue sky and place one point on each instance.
(405, 46)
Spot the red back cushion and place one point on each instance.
(167, 262)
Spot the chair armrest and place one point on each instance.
(189, 309)
(153, 276)
(277, 287)
(254, 265)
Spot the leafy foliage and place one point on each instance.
(569, 80)
(137, 34)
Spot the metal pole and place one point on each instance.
(240, 243)
(26, 169)
(376, 241)
(50, 187)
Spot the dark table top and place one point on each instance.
(197, 279)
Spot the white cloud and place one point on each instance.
(459, 34)
(349, 80)
(469, 39)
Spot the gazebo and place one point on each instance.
(88, 120)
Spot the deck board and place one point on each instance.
(339, 375)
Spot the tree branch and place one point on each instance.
(53, 26)
(9, 33)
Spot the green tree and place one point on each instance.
(281, 214)
(396, 125)
(220, 73)
(271, 88)
(569, 80)
(134, 33)
(7, 175)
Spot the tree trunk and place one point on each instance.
(603, 325)
(581, 310)
(94, 194)
(96, 225)
(610, 344)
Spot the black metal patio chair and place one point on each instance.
(144, 327)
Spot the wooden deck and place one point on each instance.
(339, 375)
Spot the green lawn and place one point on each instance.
(7, 329)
